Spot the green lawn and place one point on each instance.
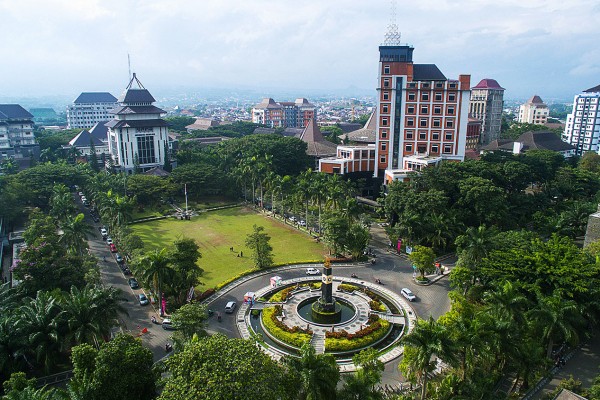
(216, 231)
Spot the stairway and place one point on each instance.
(318, 342)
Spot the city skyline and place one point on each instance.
(64, 48)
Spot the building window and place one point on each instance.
(410, 122)
(383, 146)
(386, 95)
(145, 145)
(449, 123)
(435, 135)
(451, 96)
(385, 109)
(437, 110)
(410, 109)
(412, 85)
(408, 147)
(435, 148)
(447, 149)
(384, 121)
(424, 110)
(452, 85)
(412, 96)
(439, 84)
(410, 134)
(382, 159)
(448, 135)
(423, 122)
(384, 133)
(422, 135)
(424, 96)
(386, 69)
(437, 123)
(450, 110)
(386, 82)
(438, 96)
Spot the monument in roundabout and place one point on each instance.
(326, 309)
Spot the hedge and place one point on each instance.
(344, 341)
(295, 336)
(282, 295)
(346, 287)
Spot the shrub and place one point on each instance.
(295, 336)
(344, 341)
(348, 288)
(376, 306)
(238, 276)
(282, 295)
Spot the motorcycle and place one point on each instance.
(353, 276)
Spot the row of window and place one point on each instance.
(425, 96)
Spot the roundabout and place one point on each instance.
(350, 315)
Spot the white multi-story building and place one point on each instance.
(137, 134)
(487, 102)
(582, 129)
(16, 132)
(90, 108)
(534, 111)
(285, 114)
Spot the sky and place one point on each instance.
(64, 47)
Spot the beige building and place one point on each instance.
(487, 102)
(534, 111)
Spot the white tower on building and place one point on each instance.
(582, 129)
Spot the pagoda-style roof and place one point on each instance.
(535, 99)
(131, 95)
(100, 131)
(137, 123)
(126, 110)
(317, 145)
(427, 72)
(595, 89)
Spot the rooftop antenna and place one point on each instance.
(392, 36)
(129, 65)
(136, 80)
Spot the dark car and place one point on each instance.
(119, 258)
(127, 271)
(133, 283)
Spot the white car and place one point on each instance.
(312, 271)
(292, 218)
(408, 295)
(103, 232)
(109, 241)
(302, 222)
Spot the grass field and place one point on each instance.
(216, 231)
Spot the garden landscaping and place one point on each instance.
(216, 232)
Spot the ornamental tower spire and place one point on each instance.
(392, 36)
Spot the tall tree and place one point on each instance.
(318, 374)
(154, 269)
(258, 242)
(422, 257)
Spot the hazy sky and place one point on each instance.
(544, 47)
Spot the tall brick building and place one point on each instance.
(422, 115)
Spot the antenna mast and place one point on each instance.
(129, 65)
(392, 36)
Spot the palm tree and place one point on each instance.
(90, 313)
(319, 187)
(557, 318)
(473, 247)
(61, 202)
(304, 189)
(75, 231)
(319, 374)
(154, 269)
(427, 340)
(38, 324)
(263, 167)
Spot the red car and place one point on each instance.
(113, 248)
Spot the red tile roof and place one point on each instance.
(488, 84)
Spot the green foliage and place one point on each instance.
(189, 320)
(225, 369)
(178, 124)
(149, 189)
(282, 295)
(344, 341)
(295, 336)
(317, 374)
(258, 242)
(518, 128)
(121, 368)
(422, 257)
(348, 287)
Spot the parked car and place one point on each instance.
(133, 283)
(408, 295)
(230, 307)
(167, 325)
(312, 271)
(143, 299)
(113, 248)
(104, 233)
(302, 222)
(127, 271)
(96, 218)
(119, 258)
(109, 241)
(293, 219)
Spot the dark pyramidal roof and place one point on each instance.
(131, 95)
(595, 89)
(427, 72)
(14, 111)
(95, 97)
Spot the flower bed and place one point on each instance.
(346, 287)
(282, 295)
(376, 306)
(295, 336)
(344, 341)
